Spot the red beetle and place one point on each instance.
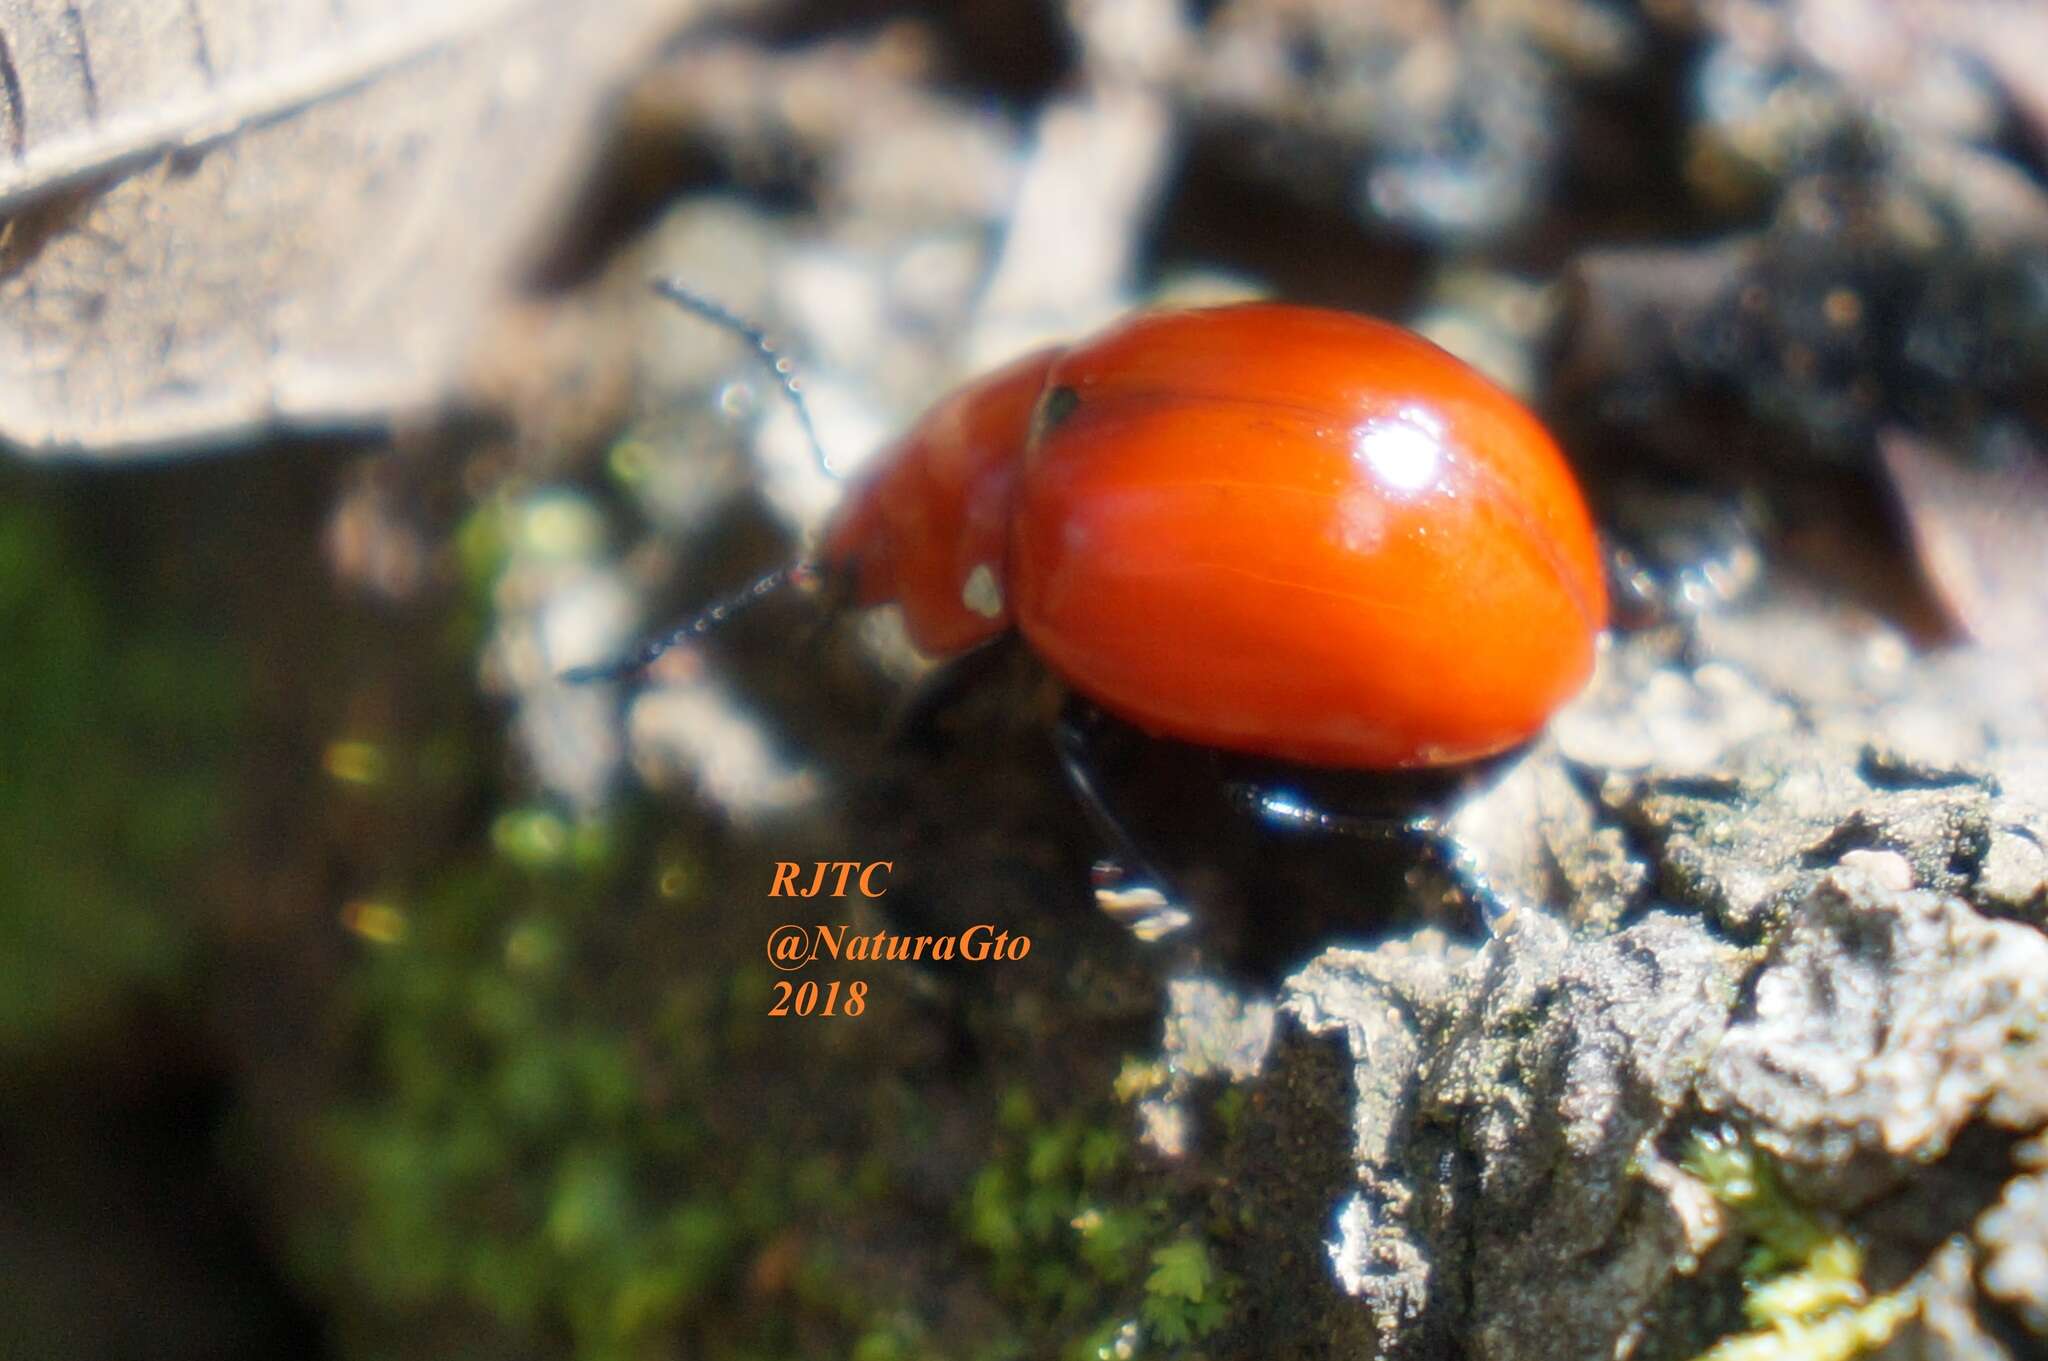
(1272, 529)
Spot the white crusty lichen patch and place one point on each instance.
(1886, 1020)
(2014, 1235)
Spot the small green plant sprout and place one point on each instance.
(1185, 1296)
(1803, 1275)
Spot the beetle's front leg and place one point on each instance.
(1126, 885)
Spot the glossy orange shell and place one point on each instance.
(1273, 529)
(938, 507)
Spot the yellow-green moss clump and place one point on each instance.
(1802, 1276)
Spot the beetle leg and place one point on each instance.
(1674, 556)
(1455, 859)
(1127, 888)
(915, 722)
(1427, 833)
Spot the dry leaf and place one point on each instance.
(223, 215)
(1981, 534)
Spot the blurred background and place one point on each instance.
(364, 992)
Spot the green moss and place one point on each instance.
(1184, 1295)
(535, 1151)
(1231, 1108)
(1074, 1242)
(541, 839)
(1802, 1275)
(119, 742)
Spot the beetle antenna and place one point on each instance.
(771, 355)
(800, 574)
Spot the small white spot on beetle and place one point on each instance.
(1361, 519)
(982, 593)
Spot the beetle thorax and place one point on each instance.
(930, 529)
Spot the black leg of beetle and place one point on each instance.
(1455, 858)
(1143, 897)
(1673, 555)
(1071, 741)
(1426, 832)
(916, 723)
